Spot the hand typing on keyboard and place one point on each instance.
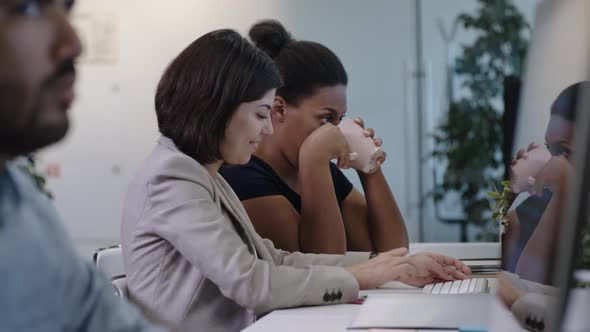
(432, 267)
(415, 270)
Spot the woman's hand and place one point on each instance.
(385, 267)
(506, 291)
(523, 154)
(416, 270)
(554, 176)
(370, 132)
(432, 267)
(324, 144)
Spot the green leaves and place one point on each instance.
(502, 199)
(469, 140)
(494, 195)
(30, 167)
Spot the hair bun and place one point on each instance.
(270, 36)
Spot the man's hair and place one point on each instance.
(203, 87)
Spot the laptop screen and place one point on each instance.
(543, 232)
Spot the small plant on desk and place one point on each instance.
(503, 199)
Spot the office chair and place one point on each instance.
(120, 285)
(109, 261)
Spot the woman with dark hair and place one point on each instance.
(189, 247)
(530, 292)
(292, 192)
(533, 224)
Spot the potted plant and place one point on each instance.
(469, 140)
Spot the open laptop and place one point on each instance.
(570, 312)
(479, 285)
(458, 306)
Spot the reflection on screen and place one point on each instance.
(542, 172)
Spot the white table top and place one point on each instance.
(336, 318)
(321, 318)
(332, 318)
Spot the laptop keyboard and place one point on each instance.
(466, 286)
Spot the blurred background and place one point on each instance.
(438, 80)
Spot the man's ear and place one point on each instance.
(279, 109)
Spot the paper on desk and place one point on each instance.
(398, 330)
(397, 285)
(420, 311)
(391, 330)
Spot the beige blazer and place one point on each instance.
(190, 250)
(533, 309)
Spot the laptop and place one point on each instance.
(423, 311)
(453, 305)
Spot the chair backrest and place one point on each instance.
(120, 285)
(110, 261)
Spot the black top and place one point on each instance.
(258, 179)
(529, 214)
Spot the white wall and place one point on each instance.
(114, 122)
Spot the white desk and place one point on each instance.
(336, 318)
(332, 318)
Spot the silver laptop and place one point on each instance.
(456, 304)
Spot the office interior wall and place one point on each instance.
(113, 120)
